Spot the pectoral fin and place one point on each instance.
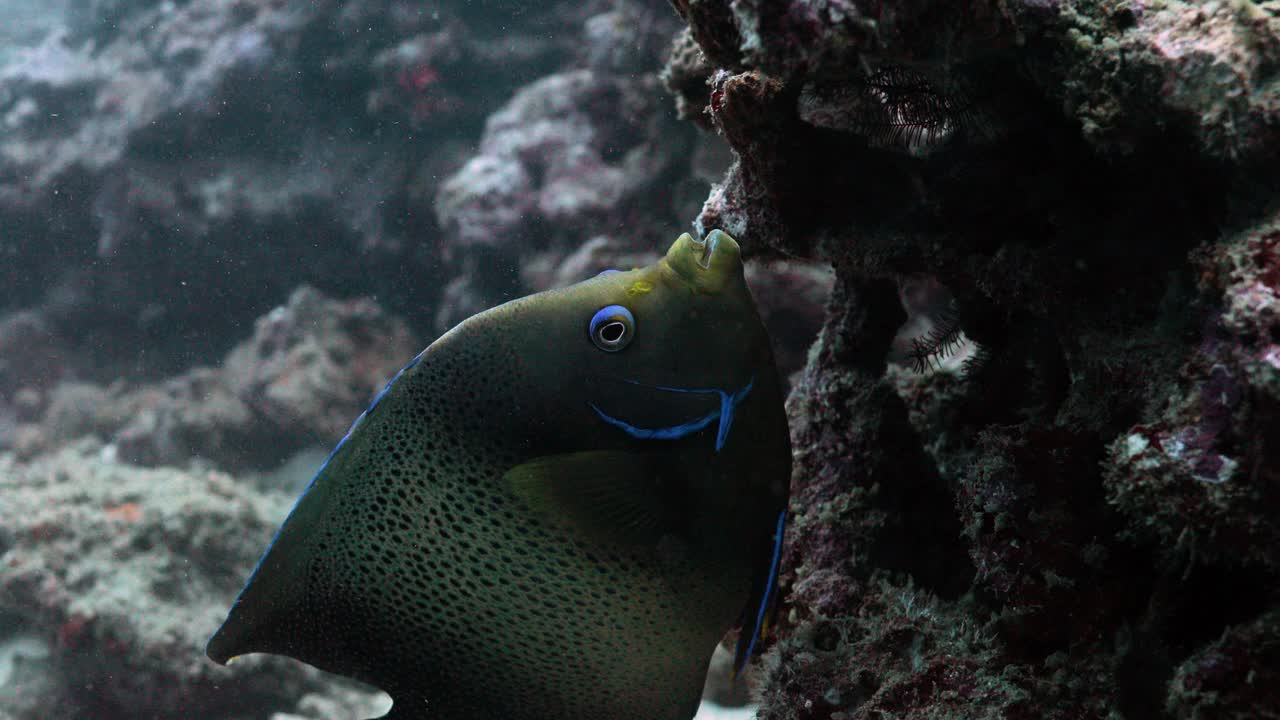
(613, 496)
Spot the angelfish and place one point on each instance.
(555, 512)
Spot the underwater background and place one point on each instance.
(1019, 260)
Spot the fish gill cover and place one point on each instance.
(1035, 442)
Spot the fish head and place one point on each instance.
(688, 321)
(692, 321)
(654, 353)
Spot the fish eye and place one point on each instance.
(612, 328)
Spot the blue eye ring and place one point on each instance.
(612, 328)
(610, 271)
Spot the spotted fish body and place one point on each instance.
(540, 519)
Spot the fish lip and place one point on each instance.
(707, 264)
(706, 248)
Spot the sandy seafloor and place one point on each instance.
(711, 711)
(708, 711)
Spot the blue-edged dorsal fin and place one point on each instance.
(267, 615)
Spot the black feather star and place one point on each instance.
(893, 106)
(945, 339)
(976, 361)
(939, 343)
(915, 113)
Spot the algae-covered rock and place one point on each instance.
(1233, 677)
(1066, 439)
(309, 368)
(113, 575)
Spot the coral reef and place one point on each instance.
(1036, 441)
(1201, 475)
(158, 158)
(154, 151)
(113, 575)
(568, 156)
(311, 366)
(357, 176)
(1234, 676)
(1063, 449)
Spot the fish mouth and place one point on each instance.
(709, 264)
(708, 247)
(723, 405)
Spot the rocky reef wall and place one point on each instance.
(1036, 441)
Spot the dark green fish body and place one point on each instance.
(554, 513)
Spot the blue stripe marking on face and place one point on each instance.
(728, 403)
(412, 364)
(674, 432)
(768, 590)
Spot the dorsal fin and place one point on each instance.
(263, 617)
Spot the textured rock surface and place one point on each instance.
(569, 157)
(311, 366)
(113, 575)
(158, 158)
(1057, 497)
(314, 363)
